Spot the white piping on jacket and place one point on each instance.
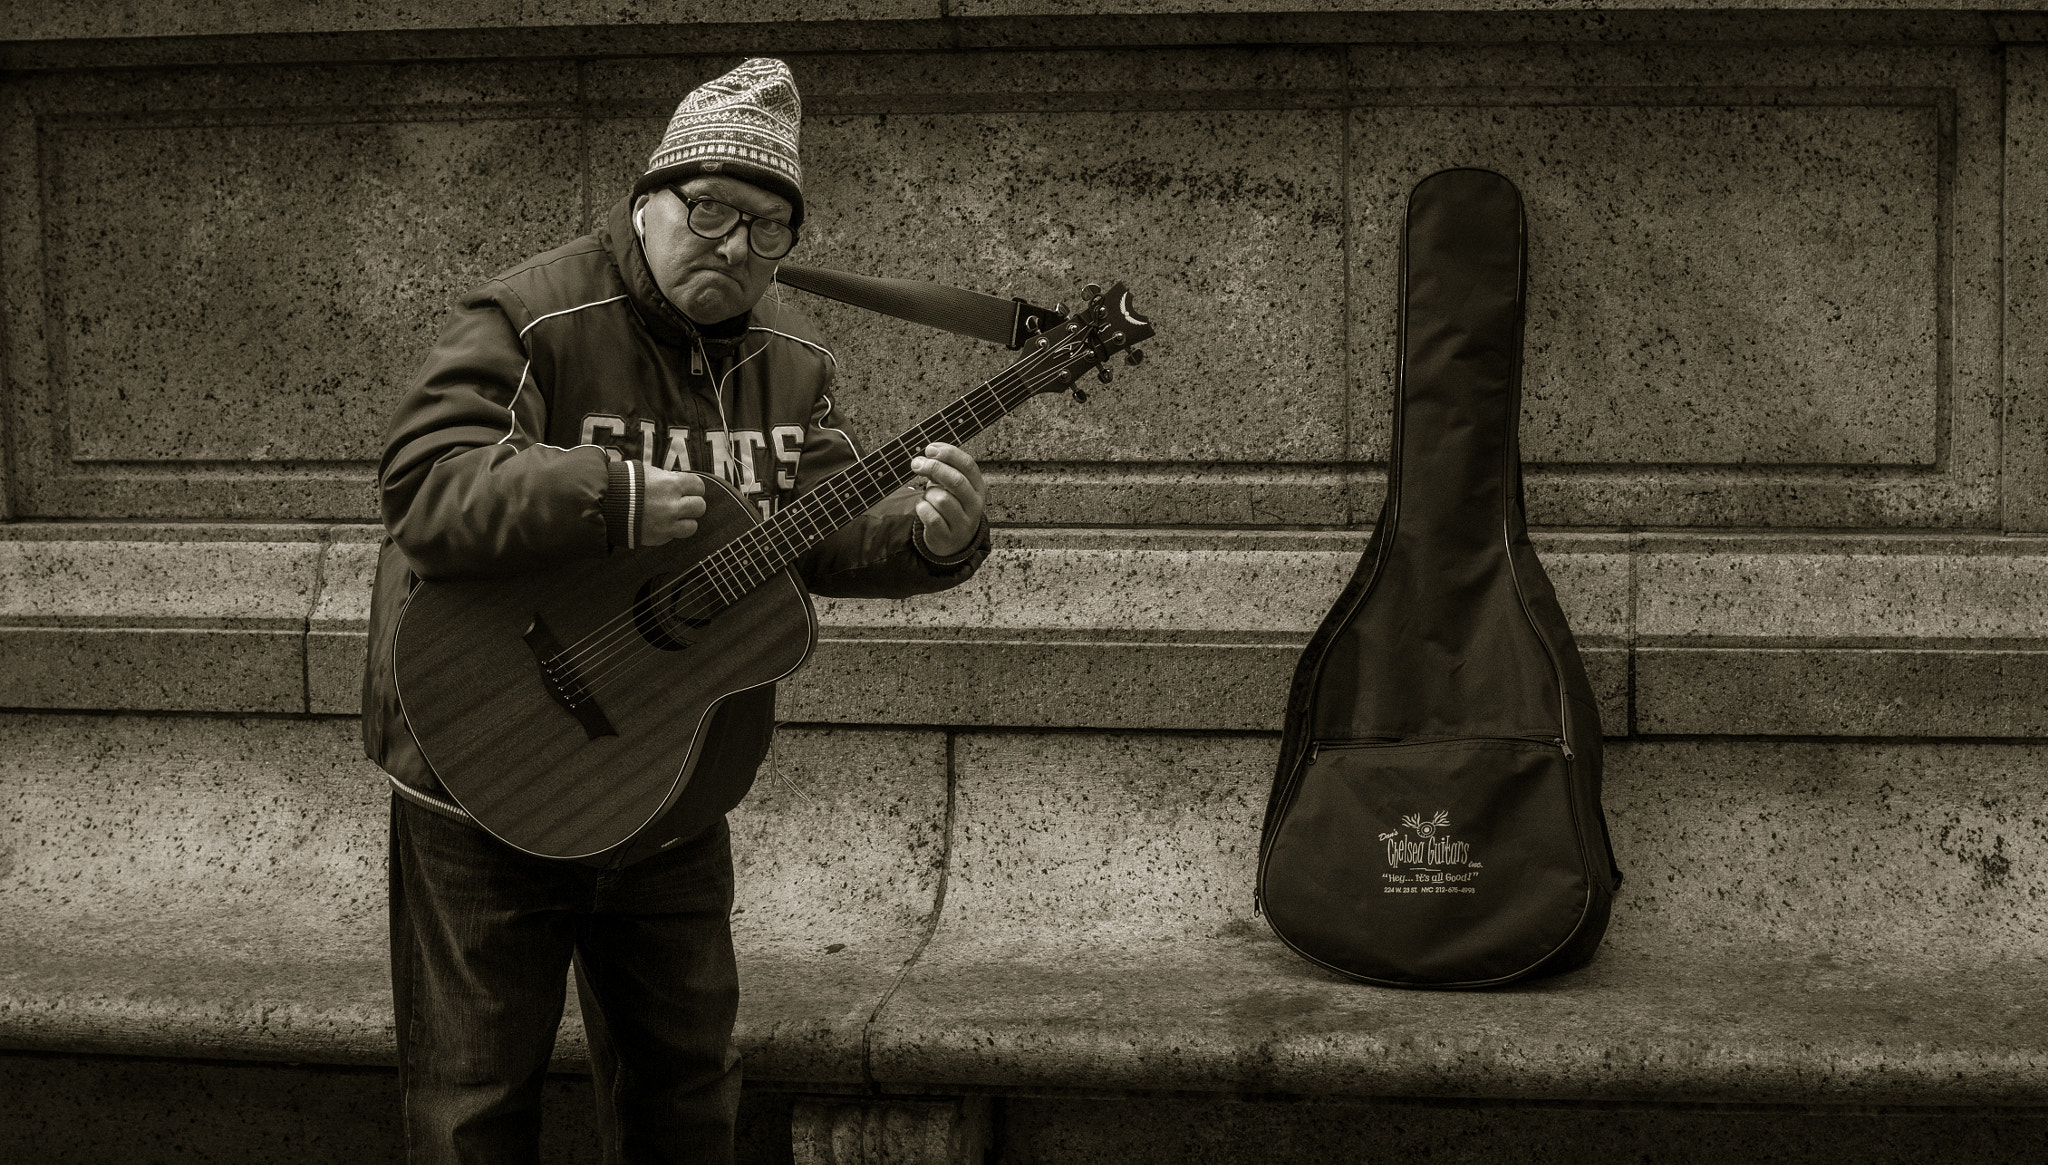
(850, 443)
(511, 406)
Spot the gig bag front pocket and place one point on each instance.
(1450, 862)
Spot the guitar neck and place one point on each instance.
(759, 554)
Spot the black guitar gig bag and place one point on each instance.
(1435, 820)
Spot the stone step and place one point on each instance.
(1751, 634)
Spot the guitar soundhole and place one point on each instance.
(664, 618)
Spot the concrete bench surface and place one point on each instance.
(215, 888)
(1801, 923)
(1850, 922)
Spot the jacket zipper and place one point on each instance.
(1315, 749)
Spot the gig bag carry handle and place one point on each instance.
(1435, 819)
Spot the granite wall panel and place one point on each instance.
(252, 293)
(1244, 288)
(227, 276)
(2024, 474)
(1708, 285)
(1764, 281)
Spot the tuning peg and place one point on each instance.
(1134, 357)
(1080, 395)
(1103, 374)
(1092, 290)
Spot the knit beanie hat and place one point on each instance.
(743, 124)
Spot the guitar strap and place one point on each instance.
(1008, 322)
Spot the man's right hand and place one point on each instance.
(674, 502)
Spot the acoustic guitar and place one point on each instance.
(565, 709)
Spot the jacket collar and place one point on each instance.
(660, 316)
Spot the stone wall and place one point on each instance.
(1785, 417)
(1783, 374)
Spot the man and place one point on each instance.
(555, 419)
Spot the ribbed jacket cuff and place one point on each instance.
(625, 493)
(976, 550)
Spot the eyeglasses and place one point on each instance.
(712, 219)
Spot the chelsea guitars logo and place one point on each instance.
(1421, 852)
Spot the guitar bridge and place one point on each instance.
(564, 683)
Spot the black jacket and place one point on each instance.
(508, 454)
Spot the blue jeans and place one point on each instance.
(482, 938)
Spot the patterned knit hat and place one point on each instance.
(743, 124)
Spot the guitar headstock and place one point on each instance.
(1105, 325)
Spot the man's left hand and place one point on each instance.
(952, 503)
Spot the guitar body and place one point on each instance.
(567, 710)
(579, 784)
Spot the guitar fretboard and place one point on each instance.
(758, 555)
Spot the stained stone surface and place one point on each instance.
(172, 884)
(1849, 855)
(839, 852)
(1099, 932)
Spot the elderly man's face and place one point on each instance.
(709, 279)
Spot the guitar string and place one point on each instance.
(619, 645)
(880, 473)
(626, 647)
(867, 474)
(718, 567)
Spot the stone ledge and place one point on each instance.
(1800, 923)
(1715, 1026)
(1888, 635)
(153, 669)
(1127, 684)
(1859, 692)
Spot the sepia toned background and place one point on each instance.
(1785, 424)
